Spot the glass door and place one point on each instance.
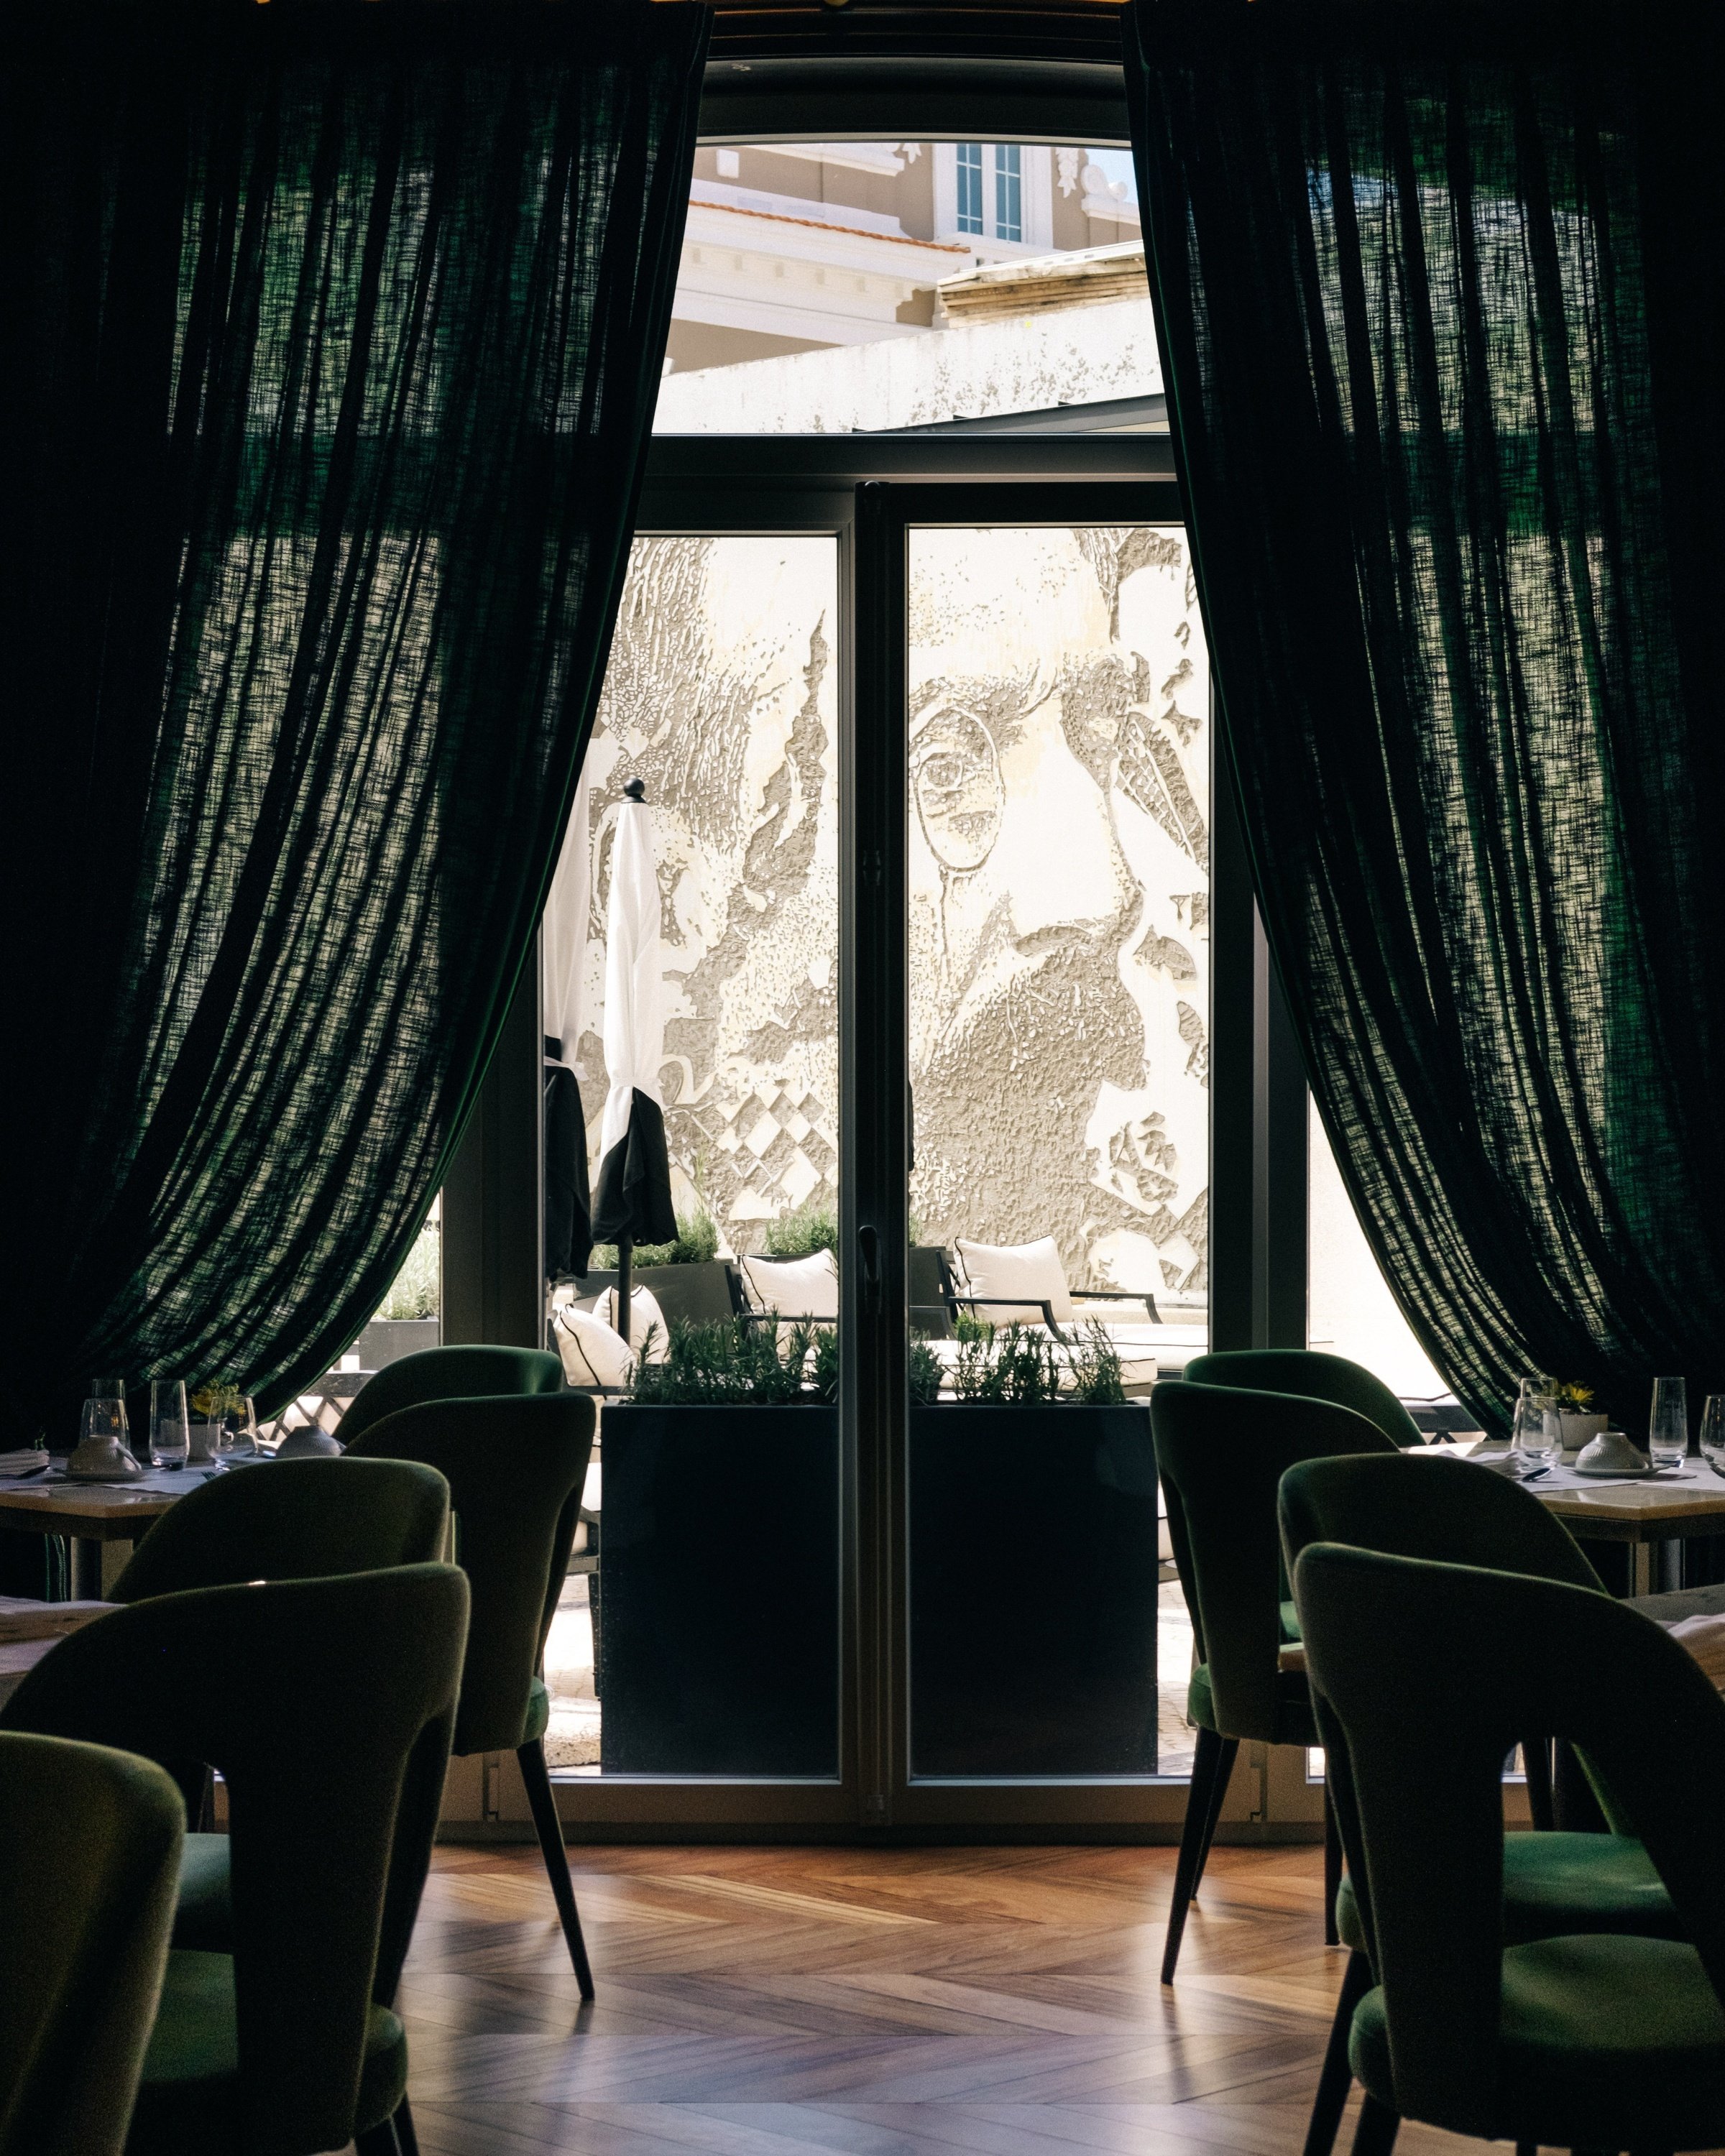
(929, 768)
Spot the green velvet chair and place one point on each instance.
(291, 1519)
(1220, 1451)
(89, 1848)
(1314, 1376)
(1426, 1506)
(516, 1467)
(1584, 2040)
(328, 1706)
(449, 1374)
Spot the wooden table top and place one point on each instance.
(98, 1511)
(17, 1658)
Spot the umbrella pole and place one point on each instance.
(625, 1284)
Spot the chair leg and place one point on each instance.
(1219, 1792)
(1536, 1764)
(1332, 1868)
(556, 1857)
(1210, 1768)
(377, 2141)
(405, 2134)
(1375, 2134)
(1337, 2078)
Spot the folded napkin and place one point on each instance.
(27, 1457)
(1705, 1638)
(23, 1618)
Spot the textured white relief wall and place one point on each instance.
(1060, 898)
(1059, 842)
(722, 694)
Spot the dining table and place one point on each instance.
(101, 1521)
(1649, 1517)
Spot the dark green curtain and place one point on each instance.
(332, 335)
(1439, 290)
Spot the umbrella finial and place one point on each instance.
(635, 789)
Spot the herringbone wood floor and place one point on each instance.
(962, 2002)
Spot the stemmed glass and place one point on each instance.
(1668, 1425)
(240, 1425)
(1537, 1438)
(170, 1431)
(1713, 1432)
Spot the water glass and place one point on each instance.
(1668, 1426)
(104, 1411)
(1537, 1438)
(170, 1429)
(1712, 1431)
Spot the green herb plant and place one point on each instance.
(698, 1241)
(801, 1233)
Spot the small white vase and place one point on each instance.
(1579, 1429)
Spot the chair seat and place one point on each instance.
(538, 1715)
(205, 1918)
(1561, 1882)
(1294, 1722)
(188, 2101)
(1606, 2043)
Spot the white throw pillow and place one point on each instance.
(1006, 1270)
(645, 1317)
(592, 1354)
(799, 1287)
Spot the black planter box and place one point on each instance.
(718, 1650)
(1033, 1591)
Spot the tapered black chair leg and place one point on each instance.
(1535, 1764)
(1375, 2134)
(550, 1830)
(1211, 1764)
(1219, 1793)
(405, 2134)
(1332, 1868)
(1337, 2078)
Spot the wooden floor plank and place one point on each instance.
(962, 2002)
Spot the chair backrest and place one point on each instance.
(1221, 1452)
(1428, 1673)
(515, 1468)
(1428, 1505)
(449, 1373)
(90, 1862)
(326, 1706)
(1316, 1377)
(291, 1519)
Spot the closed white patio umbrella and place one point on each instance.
(632, 1203)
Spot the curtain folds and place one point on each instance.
(333, 337)
(1439, 288)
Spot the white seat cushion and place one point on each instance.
(592, 1354)
(645, 1318)
(798, 1287)
(1000, 1272)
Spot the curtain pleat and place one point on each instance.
(333, 334)
(1438, 287)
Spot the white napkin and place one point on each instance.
(1705, 1638)
(27, 1457)
(21, 1618)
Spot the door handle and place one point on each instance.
(868, 1245)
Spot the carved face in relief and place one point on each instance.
(1058, 879)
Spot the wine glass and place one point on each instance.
(1713, 1432)
(1668, 1425)
(1537, 1438)
(170, 1430)
(239, 1426)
